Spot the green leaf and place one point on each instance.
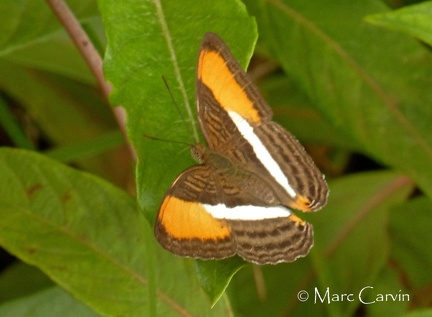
(419, 313)
(352, 233)
(292, 108)
(388, 282)
(410, 224)
(72, 152)
(214, 276)
(68, 113)
(33, 37)
(371, 84)
(25, 23)
(20, 280)
(52, 102)
(56, 54)
(74, 227)
(351, 247)
(149, 40)
(415, 20)
(160, 39)
(12, 128)
(263, 291)
(63, 110)
(51, 302)
(90, 238)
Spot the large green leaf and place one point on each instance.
(149, 40)
(351, 247)
(91, 239)
(415, 20)
(371, 84)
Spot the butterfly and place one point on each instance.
(237, 200)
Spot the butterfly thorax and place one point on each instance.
(234, 180)
(204, 155)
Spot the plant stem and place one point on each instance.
(90, 55)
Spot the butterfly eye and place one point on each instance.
(199, 153)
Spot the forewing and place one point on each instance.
(236, 122)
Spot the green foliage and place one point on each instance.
(413, 20)
(347, 84)
(351, 249)
(50, 302)
(56, 218)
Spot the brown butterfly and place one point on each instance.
(251, 171)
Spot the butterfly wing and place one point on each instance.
(236, 121)
(184, 227)
(208, 214)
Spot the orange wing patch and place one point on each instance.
(297, 220)
(189, 220)
(215, 74)
(301, 203)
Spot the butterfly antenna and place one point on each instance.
(174, 101)
(180, 114)
(171, 94)
(165, 140)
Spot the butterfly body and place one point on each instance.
(251, 171)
